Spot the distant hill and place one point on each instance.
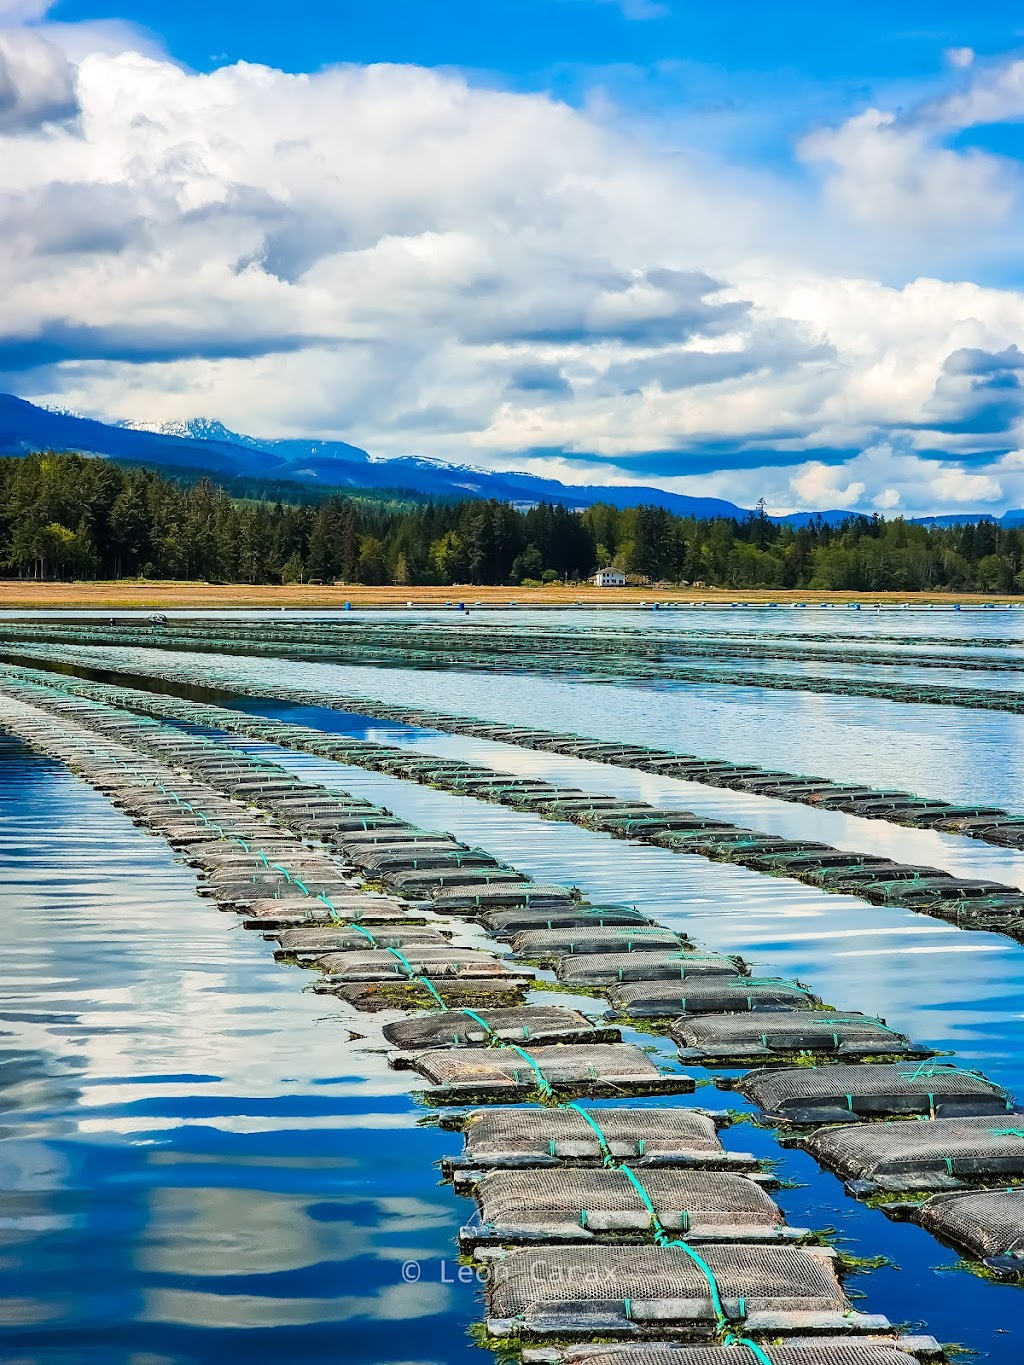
(340, 465)
(24, 428)
(204, 443)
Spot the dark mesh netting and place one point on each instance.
(651, 999)
(303, 942)
(509, 922)
(496, 893)
(592, 1284)
(737, 1035)
(529, 1024)
(970, 1148)
(380, 965)
(580, 1203)
(607, 969)
(985, 1224)
(542, 1136)
(606, 1065)
(833, 1093)
(549, 943)
(820, 1352)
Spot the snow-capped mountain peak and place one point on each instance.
(192, 429)
(61, 410)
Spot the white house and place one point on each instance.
(609, 578)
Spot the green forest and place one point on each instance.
(71, 517)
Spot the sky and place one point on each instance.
(732, 249)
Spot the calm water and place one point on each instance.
(201, 1164)
(197, 1165)
(814, 620)
(946, 751)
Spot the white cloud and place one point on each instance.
(817, 487)
(960, 57)
(23, 11)
(889, 173)
(890, 169)
(392, 256)
(995, 95)
(37, 82)
(886, 478)
(960, 487)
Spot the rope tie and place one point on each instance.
(542, 1083)
(929, 1068)
(330, 906)
(606, 1151)
(731, 1340)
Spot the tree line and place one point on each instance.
(66, 516)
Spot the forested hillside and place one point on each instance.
(67, 516)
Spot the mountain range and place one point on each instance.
(206, 444)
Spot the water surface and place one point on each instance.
(201, 1164)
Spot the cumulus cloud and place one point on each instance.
(995, 94)
(894, 480)
(396, 257)
(69, 219)
(978, 392)
(818, 487)
(906, 168)
(37, 82)
(23, 11)
(955, 485)
(889, 172)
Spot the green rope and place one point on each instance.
(543, 1085)
(330, 905)
(930, 1068)
(606, 1151)
(662, 1239)
(752, 1347)
(500, 1042)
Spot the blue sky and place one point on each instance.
(727, 247)
(527, 40)
(758, 71)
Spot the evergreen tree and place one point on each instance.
(66, 515)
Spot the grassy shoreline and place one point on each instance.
(131, 594)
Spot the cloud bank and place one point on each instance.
(400, 258)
